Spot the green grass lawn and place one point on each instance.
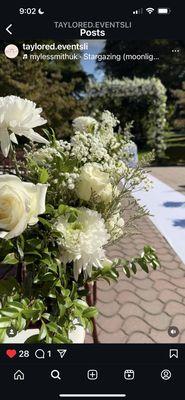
(175, 142)
(175, 148)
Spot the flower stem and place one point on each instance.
(14, 159)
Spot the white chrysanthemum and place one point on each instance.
(85, 124)
(83, 240)
(18, 117)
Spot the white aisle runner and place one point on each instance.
(167, 207)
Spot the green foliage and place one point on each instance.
(43, 177)
(48, 297)
(169, 69)
(10, 259)
(175, 138)
(109, 273)
(147, 260)
(179, 119)
(9, 287)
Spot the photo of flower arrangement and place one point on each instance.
(59, 210)
(86, 251)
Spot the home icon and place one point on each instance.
(19, 376)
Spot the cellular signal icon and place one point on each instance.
(62, 352)
(139, 11)
(149, 10)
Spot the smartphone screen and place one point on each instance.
(92, 201)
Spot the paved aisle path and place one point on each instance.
(141, 309)
(167, 207)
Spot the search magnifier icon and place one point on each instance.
(55, 374)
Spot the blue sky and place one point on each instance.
(95, 47)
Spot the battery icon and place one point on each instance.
(163, 11)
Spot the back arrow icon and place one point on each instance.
(7, 29)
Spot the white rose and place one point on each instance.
(20, 205)
(93, 180)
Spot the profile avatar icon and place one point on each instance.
(11, 51)
(166, 374)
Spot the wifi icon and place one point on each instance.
(150, 10)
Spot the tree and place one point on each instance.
(170, 71)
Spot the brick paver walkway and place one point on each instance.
(172, 176)
(141, 309)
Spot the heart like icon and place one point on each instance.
(11, 353)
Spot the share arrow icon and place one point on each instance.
(62, 352)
